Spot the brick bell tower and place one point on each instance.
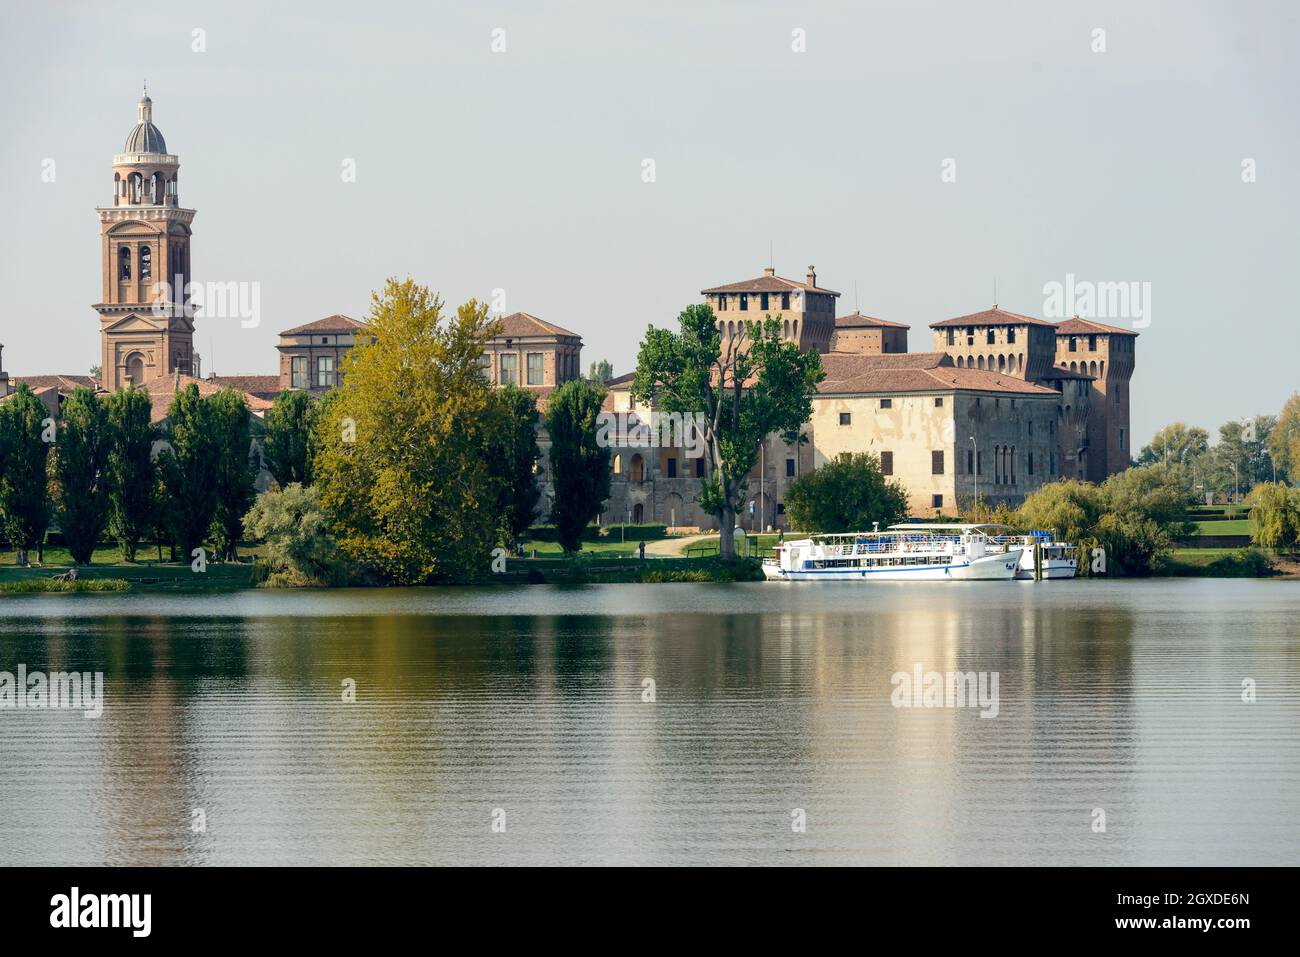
(145, 323)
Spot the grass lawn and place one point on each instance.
(607, 548)
(1226, 526)
(144, 574)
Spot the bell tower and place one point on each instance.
(146, 324)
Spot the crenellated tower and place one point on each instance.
(146, 325)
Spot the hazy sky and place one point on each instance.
(523, 170)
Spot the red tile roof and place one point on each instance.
(262, 386)
(857, 320)
(328, 324)
(64, 383)
(162, 389)
(522, 325)
(848, 374)
(992, 317)
(1077, 326)
(767, 284)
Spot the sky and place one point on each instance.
(919, 154)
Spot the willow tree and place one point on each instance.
(399, 458)
(739, 389)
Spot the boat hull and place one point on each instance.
(998, 567)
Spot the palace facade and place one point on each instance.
(1001, 404)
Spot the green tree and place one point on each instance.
(845, 495)
(1284, 442)
(287, 444)
(236, 471)
(132, 477)
(512, 456)
(27, 431)
(740, 390)
(400, 459)
(294, 526)
(580, 465)
(1174, 443)
(600, 372)
(81, 473)
(1275, 517)
(189, 467)
(1070, 508)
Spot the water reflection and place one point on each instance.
(1124, 697)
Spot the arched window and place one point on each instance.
(636, 469)
(1102, 371)
(135, 368)
(124, 262)
(980, 361)
(1092, 367)
(638, 514)
(959, 362)
(1002, 363)
(136, 187)
(794, 329)
(1013, 465)
(618, 465)
(787, 328)
(117, 186)
(1074, 367)
(731, 330)
(146, 262)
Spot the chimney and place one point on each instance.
(812, 276)
(769, 271)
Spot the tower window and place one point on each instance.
(951, 336)
(1092, 343)
(785, 300)
(1074, 344)
(989, 337)
(124, 262)
(744, 301)
(146, 262)
(764, 300)
(789, 468)
(886, 463)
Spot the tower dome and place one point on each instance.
(145, 138)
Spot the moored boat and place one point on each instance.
(1054, 559)
(920, 555)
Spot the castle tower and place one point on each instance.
(146, 327)
(998, 341)
(1108, 354)
(806, 310)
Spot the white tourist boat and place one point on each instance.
(1056, 559)
(895, 555)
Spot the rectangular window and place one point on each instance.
(886, 403)
(744, 302)
(764, 301)
(936, 462)
(722, 304)
(979, 463)
(970, 335)
(1092, 343)
(699, 467)
(672, 468)
(1011, 336)
(951, 337)
(509, 368)
(938, 402)
(535, 368)
(989, 337)
(1031, 463)
(785, 300)
(1074, 344)
(970, 461)
(846, 418)
(324, 372)
(1121, 438)
(937, 501)
(298, 377)
(789, 468)
(886, 463)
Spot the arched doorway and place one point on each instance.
(638, 514)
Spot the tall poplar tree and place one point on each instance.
(81, 475)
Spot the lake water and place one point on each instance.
(527, 705)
